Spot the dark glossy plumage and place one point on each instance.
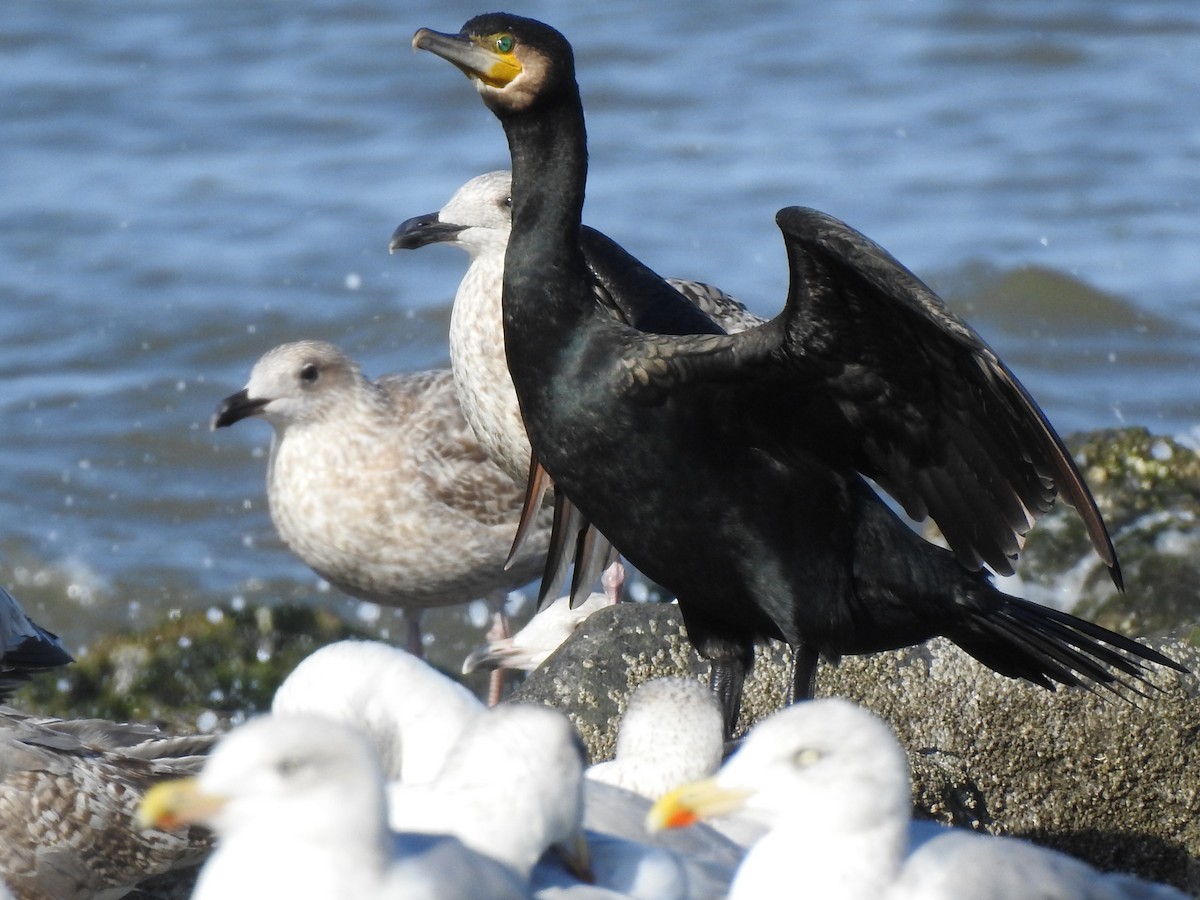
(732, 469)
(25, 647)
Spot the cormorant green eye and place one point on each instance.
(505, 43)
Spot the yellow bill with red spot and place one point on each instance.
(692, 803)
(174, 804)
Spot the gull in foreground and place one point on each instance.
(297, 803)
(412, 713)
(25, 647)
(830, 781)
(512, 764)
(380, 487)
(69, 791)
(513, 789)
(670, 734)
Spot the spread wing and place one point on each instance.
(867, 369)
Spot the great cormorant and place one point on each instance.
(733, 469)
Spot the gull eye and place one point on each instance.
(310, 373)
(288, 767)
(507, 202)
(505, 43)
(805, 757)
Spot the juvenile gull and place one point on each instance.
(478, 218)
(737, 470)
(831, 783)
(670, 733)
(297, 803)
(412, 714)
(69, 791)
(25, 647)
(379, 486)
(541, 636)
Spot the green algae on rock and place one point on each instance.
(222, 664)
(1148, 488)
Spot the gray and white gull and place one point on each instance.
(478, 219)
(297, 803)
(411, 712)
(830, 782)
(380, 486)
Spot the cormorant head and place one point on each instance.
(515, 62)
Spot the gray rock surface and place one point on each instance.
(1112, 781)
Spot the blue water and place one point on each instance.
(187, 184)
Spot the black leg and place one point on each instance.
(726, 679)
(804, 672)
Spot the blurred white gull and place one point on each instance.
(297, 803)
(25, 647)
(513, 789)
(509, 788)
(541, 636)
(380, 486)
(412, 713)
(831, 782)
(69, 791)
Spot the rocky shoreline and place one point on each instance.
(1114, 781)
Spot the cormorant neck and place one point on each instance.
(549, 174)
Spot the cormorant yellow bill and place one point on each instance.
(490, 59)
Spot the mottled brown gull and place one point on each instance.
(379, 486)
(25, 647)
(297, 803)
(412, 713)
(831, 782)
(69, 791)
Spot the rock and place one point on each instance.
(202, 669)
(1108, 780)
(1148, 489)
